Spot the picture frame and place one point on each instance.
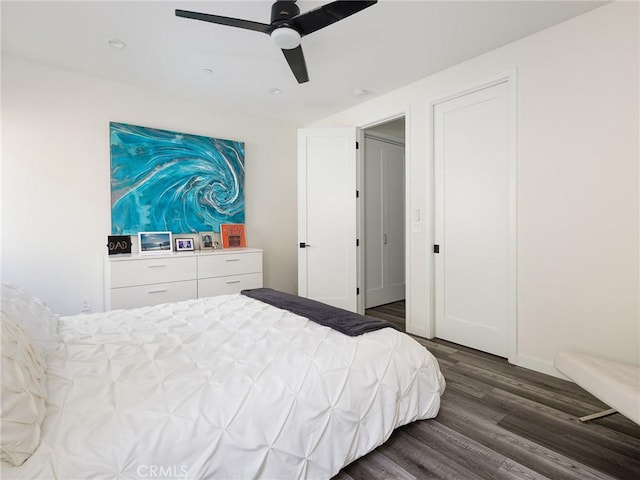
(207, 240)
(184, 244)
(119, 244)
(233, 235)
(155, 243)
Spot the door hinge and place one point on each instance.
(358, 291)
(357, 145)
(436, 249)
(357, 193)
(357, 242)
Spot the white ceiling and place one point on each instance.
(388, 45)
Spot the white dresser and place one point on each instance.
(137, 280)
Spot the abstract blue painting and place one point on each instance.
(169, 181)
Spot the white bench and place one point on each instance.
(616, 384)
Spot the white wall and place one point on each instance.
(55, 178)
(577, 182)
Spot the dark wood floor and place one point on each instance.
(501, 421)
(391, 312)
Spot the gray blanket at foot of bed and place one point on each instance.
(343, 321)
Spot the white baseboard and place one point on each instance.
(539, 366)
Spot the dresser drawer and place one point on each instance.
(210, 287)
(131, 297)
(222, 265)
(152, 270)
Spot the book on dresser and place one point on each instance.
(135, 280)
(232, 235)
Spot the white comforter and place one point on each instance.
(224, 387)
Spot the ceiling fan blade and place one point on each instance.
(325, 15)
(231, 22)
(295, 59)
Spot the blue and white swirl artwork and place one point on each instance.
(169, 181)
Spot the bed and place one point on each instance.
(223, 387)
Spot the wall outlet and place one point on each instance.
(86, 305)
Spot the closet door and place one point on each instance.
(474, 223)
(384, 212)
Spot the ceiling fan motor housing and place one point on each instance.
(283, 10)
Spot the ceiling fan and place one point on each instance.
(288, 26)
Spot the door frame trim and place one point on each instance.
(360, 134)
(510, 78)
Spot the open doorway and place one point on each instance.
(383, 228)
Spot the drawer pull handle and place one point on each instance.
(233, 281)
(156, 266)
(233, 260)
(157, 291)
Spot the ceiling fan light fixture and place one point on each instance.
(286, 38)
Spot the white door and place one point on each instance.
(384, 211)
(473, 226)
(327, 268)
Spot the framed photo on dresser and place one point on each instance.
(155, 243)
(184, 244)
(207, 240)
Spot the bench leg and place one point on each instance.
(598, 415)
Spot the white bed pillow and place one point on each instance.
(33, 315)
(23, 392)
